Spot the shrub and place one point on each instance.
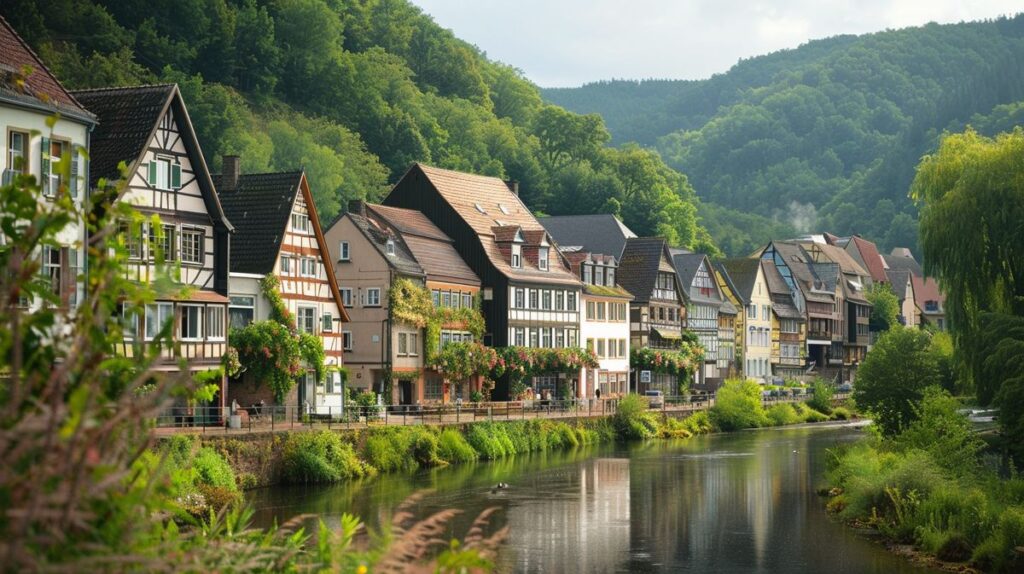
(483, 439)
(633, 419)
(738, 406)
(453, 447)
(699, 423)
(218, 497)
(942, 432)
(213, 470)
(998, 552)
(782, 414)
(821, 397)
(841, 414)
(673, 428)
(401, 448)
(320, 456)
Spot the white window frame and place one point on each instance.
(373, 297)
(236, 303)
(327, 322)
(346, 296)
(300, 222)
(215, 314)
(308, 267)
(346, 340)
(286, 265)
(414, 344)
(192, 232)
(403, 345)
(199, 311)
(343, 251)
(164, 313)
(517, 257)
(312, 318)
(389, 247)
(542, 259)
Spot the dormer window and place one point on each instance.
(517, 257)
(587, 274)
(598, 275)
(390, 247)
(542, 259)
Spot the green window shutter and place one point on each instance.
(73, 184)
(176, 176)
(151, 177)
(44, 169)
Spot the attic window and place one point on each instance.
(390, 246)
(504, 209)
(479, 208)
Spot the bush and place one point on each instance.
(673, 428)
(633, 419)
(213, 470)
(401, 448)
(320, 456)
(782, 414)
(738, 406)
(821, 397)
(841, 414)
(453, 447)
(998, 552)
(699, 423)
(483, 438)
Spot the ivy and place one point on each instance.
(411, 303)
(682, 363)
(273, 350)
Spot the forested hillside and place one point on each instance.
(356, 91)
(825, 136)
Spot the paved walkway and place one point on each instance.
(285, 419)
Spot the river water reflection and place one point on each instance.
(742, 502)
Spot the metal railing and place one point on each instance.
(294, 417)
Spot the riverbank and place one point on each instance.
(928, 492)
(306, 456)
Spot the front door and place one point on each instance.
(405, 393)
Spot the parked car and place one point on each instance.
(656, 399)
(845, 387)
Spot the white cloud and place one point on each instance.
(570, 42)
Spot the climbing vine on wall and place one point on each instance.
(412, 304)
(273, 351)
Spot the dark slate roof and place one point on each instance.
(377, 232)
(801, 265)
(743, 272)
(260, 207)
(127, 117)
(428, 246)
(904, 263)
(687, 264)
(638, 267)
(40, 88)
(898, 278)
(601, 233)
(782, 298)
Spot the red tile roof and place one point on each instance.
(40, 86)
(926, 289)
(872, 258)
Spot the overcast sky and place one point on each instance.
(571, 42)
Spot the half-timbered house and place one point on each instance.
(530, 298)
(148, 130)
(277, 232)
(703, 299)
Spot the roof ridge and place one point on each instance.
(113, 88)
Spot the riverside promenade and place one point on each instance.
(285, 418)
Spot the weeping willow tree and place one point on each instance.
(971, 195)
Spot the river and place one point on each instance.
(731, 503)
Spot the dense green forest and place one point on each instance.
(356, 91)
(825, 136)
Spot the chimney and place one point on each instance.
(513, 186)
(357, 206)
(231, 169)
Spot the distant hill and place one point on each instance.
(356, 91)
(824, 136)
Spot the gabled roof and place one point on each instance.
(898, 278)
(639, 265)
(128, 119)
(724, 272)
(801, 266)
(39, 89)
(867, 254)
(484, 203)
(261, 206)
(927, 289)
(782, 297)
(600, 233)
(837, 255)
(743, 275)
(378, 233)
(428, 247)
(902, 260)
(687, 264)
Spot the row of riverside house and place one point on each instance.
(795, 308)
(224, 233)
